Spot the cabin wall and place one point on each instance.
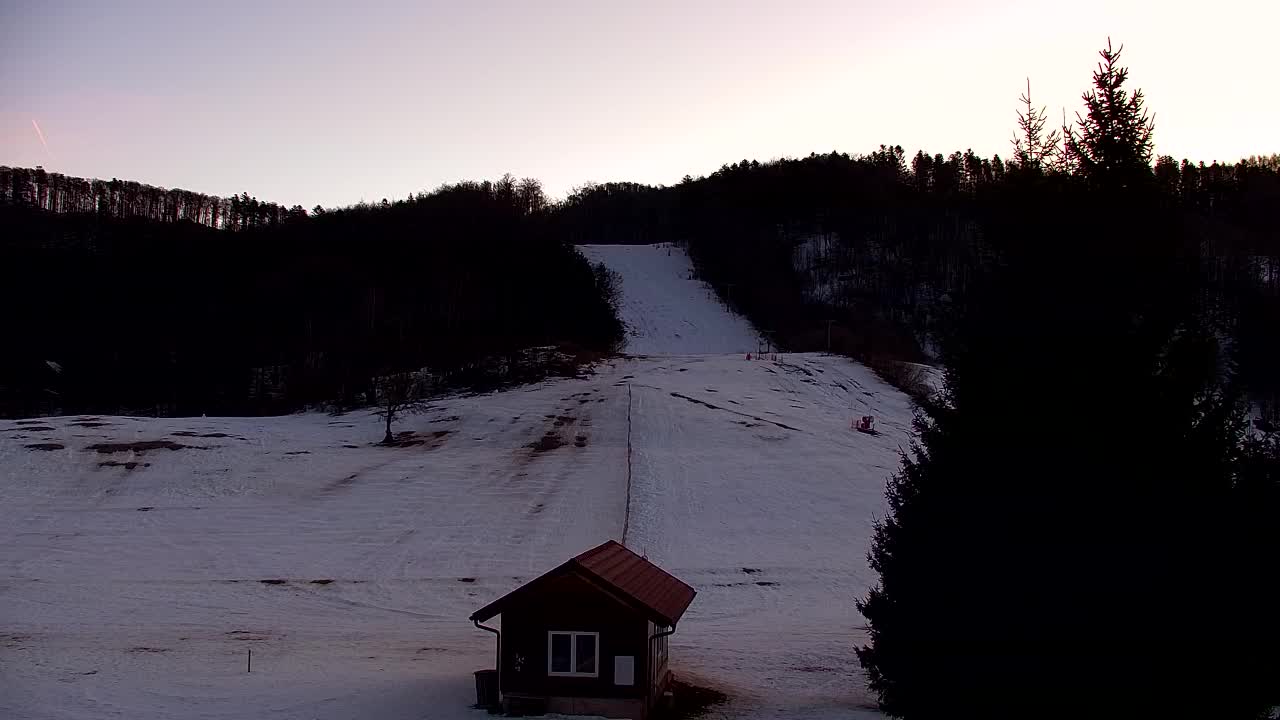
(572, 604)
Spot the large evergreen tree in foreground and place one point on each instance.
(1084, 528)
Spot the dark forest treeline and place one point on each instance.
(125, 199)
(878, 246)
(121, 312)
(865, 252)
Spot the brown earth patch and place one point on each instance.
(130, 465)
(188, 433)
(691, 701)
(141, 446)
(546, 443)
(404, 439)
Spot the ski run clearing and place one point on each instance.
(142, 559)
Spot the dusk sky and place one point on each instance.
(331, 103)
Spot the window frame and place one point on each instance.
(573, 653)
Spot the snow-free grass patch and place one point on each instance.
(130, 465)
(546, 443)
(141, 446)
(691, 701)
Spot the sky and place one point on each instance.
(332, 103)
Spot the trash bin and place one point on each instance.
(486, 688)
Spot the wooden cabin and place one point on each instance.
(589, 637)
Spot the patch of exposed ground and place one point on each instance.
(130, 465)
(409, 438)
(546, 443)
(188, 433)
(691, 701)
(141, 446)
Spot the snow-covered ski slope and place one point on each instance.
(131, 581)
(666, 311)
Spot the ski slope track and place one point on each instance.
(665, 310)
(135, 578)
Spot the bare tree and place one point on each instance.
(399, 394)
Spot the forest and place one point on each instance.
(127, 199)
(867, 255)
(138, 300)
(268, 309)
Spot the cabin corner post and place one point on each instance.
(497, 663)
(652, 670)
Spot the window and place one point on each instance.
(573, 654)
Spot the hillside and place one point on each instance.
(133, 579)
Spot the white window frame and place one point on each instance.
(573, 653)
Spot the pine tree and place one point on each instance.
(1033, 149)
(1114, 145)
(1065, 161)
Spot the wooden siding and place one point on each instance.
(570, 603)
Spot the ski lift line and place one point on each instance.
(626, 518)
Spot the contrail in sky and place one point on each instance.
(39, 133)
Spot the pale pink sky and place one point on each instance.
(330, 103)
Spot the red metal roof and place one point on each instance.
(648, 584)
(661, 594)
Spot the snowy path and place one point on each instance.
(135, 591)
(665, 310)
